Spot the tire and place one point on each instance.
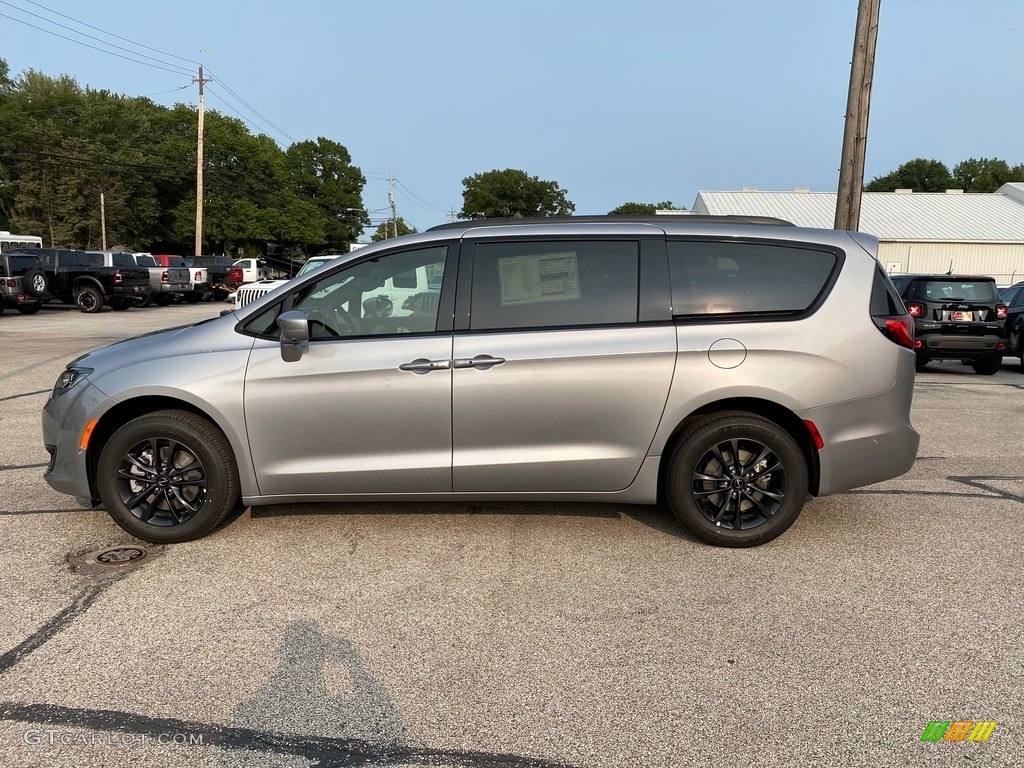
(120, 304)
(30, 309)
(987, 366)
(921, 362)
(142, 302)
(89, 299)
(33, 283)
(162, 299)
(192, 297)
(709, 491)
(155, 504)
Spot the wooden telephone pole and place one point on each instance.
(199, 166)
(855, 134)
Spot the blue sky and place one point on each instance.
(616, 101)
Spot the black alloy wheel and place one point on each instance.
(89, 299)
(736, 479)
(167, 477)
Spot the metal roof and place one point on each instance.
(918, 216)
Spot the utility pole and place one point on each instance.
(103, 222)
(855, 134)
(391, 199)
(199, 166)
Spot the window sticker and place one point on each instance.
(539, 278)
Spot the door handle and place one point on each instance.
(480, 362)
(422, 365)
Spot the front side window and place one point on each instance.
(366, 299)
(547, 284)
(734, 278)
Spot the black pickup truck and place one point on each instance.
(73, 278)
(213, 274)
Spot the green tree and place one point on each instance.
(322, 173)
(920, 175)
(982, 174)
(512, 194)
(645, 208)
(387, 230)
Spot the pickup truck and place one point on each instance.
(73, 278)
(161, 281)
(251, 270)
(170, 279)
(210, 277)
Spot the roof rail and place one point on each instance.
(644, 218)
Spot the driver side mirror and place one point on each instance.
(294, 333)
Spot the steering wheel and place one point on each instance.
(317, 318)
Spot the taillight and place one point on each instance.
(235, 275)
(915, 310)
(899, 329)
(199, 276)
(117, 278)
(1000, 311)
(165, 278)
(11, 283)
(819, 442)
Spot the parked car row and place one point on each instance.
(31, 277)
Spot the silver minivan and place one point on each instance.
(730, 367)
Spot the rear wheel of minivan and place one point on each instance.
(736, 479)
(167, 477)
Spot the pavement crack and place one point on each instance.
(321, 751)
(54, 626)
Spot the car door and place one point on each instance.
(367, 407)
(557, 386)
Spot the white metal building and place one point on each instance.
(972, 233)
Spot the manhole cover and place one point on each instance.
(112, 559)
(120, 555)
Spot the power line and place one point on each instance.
(177, 69)
(110, 34)
(252, 109)
(83, 34)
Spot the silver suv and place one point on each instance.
(730, 367)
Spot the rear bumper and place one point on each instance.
(952, 345)
(867, 440)
(130, 290)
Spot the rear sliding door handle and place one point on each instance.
(480, 362)
(422, 365)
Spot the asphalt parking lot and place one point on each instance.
(516, 635)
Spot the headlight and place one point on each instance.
(68, 378)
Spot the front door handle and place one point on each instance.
(422, 365)
(480, 362)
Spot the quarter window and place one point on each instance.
(554, 283)
(715, 278)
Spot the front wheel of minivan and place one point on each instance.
(736, 479)
(168, 477)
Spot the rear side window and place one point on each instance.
(719, 278)
(885, 300)
(546, 284)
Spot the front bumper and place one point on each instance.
(64, 420)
